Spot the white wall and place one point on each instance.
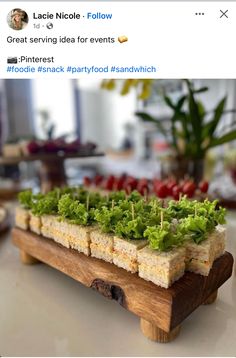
(217, 90)
(104, 113)
(57, 97)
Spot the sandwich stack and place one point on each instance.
(140, 236)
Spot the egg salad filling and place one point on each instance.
(123, 260)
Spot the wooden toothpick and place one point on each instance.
(132, 207)
(112, 204)
(161, 219)
(129, 189)
(58, 193)
(145, 195)
(87, 202)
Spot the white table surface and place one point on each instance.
(45, 313)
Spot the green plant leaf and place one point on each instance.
(176, 107)
(147, 118)
(228, 137)
(169, 102)
(195, 119)
(211, 126)
(174, 133)
(179, 116)
(201, 90)
(181, 102)
(201, 109)
(191, 87)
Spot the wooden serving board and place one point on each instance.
(161, 310)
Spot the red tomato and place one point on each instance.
(156, 182)
(98, 180)
(131, 182)
(189, 189)
(143, 189)
(119, 183)
(109, 182)
(128, 189)
(50, 146)
(203, 186)
(161, 191)
(143, 181)
(176, 191)
(170, 185)
(87, 181)
(33, 147)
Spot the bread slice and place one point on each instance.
(55, 229)
(74, 236)
(102, 245)
(125, 253)
(35, 223)
(200, 257)
(219, 241)
(162, 268)
(49, 223)
(22, 217)
(69, 235)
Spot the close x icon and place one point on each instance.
(224, 13)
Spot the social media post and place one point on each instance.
(97, 39)
(118, 175)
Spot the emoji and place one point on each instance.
(122, 39)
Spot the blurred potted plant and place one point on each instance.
(193, 131)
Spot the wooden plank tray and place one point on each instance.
(161, 310)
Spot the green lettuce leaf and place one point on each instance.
(162, 238)
(181, 209)
(26, 199)
(107, 219)
(130, 229)
(74, 211)
(45, 205)
(195, 228)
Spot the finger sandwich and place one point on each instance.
(49, 224)
(161, 268)
(102, 245)
(22, 218)
(200, 257)
(125, 253)
(35, 223)
(74, 236)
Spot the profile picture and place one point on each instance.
(17, 19)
